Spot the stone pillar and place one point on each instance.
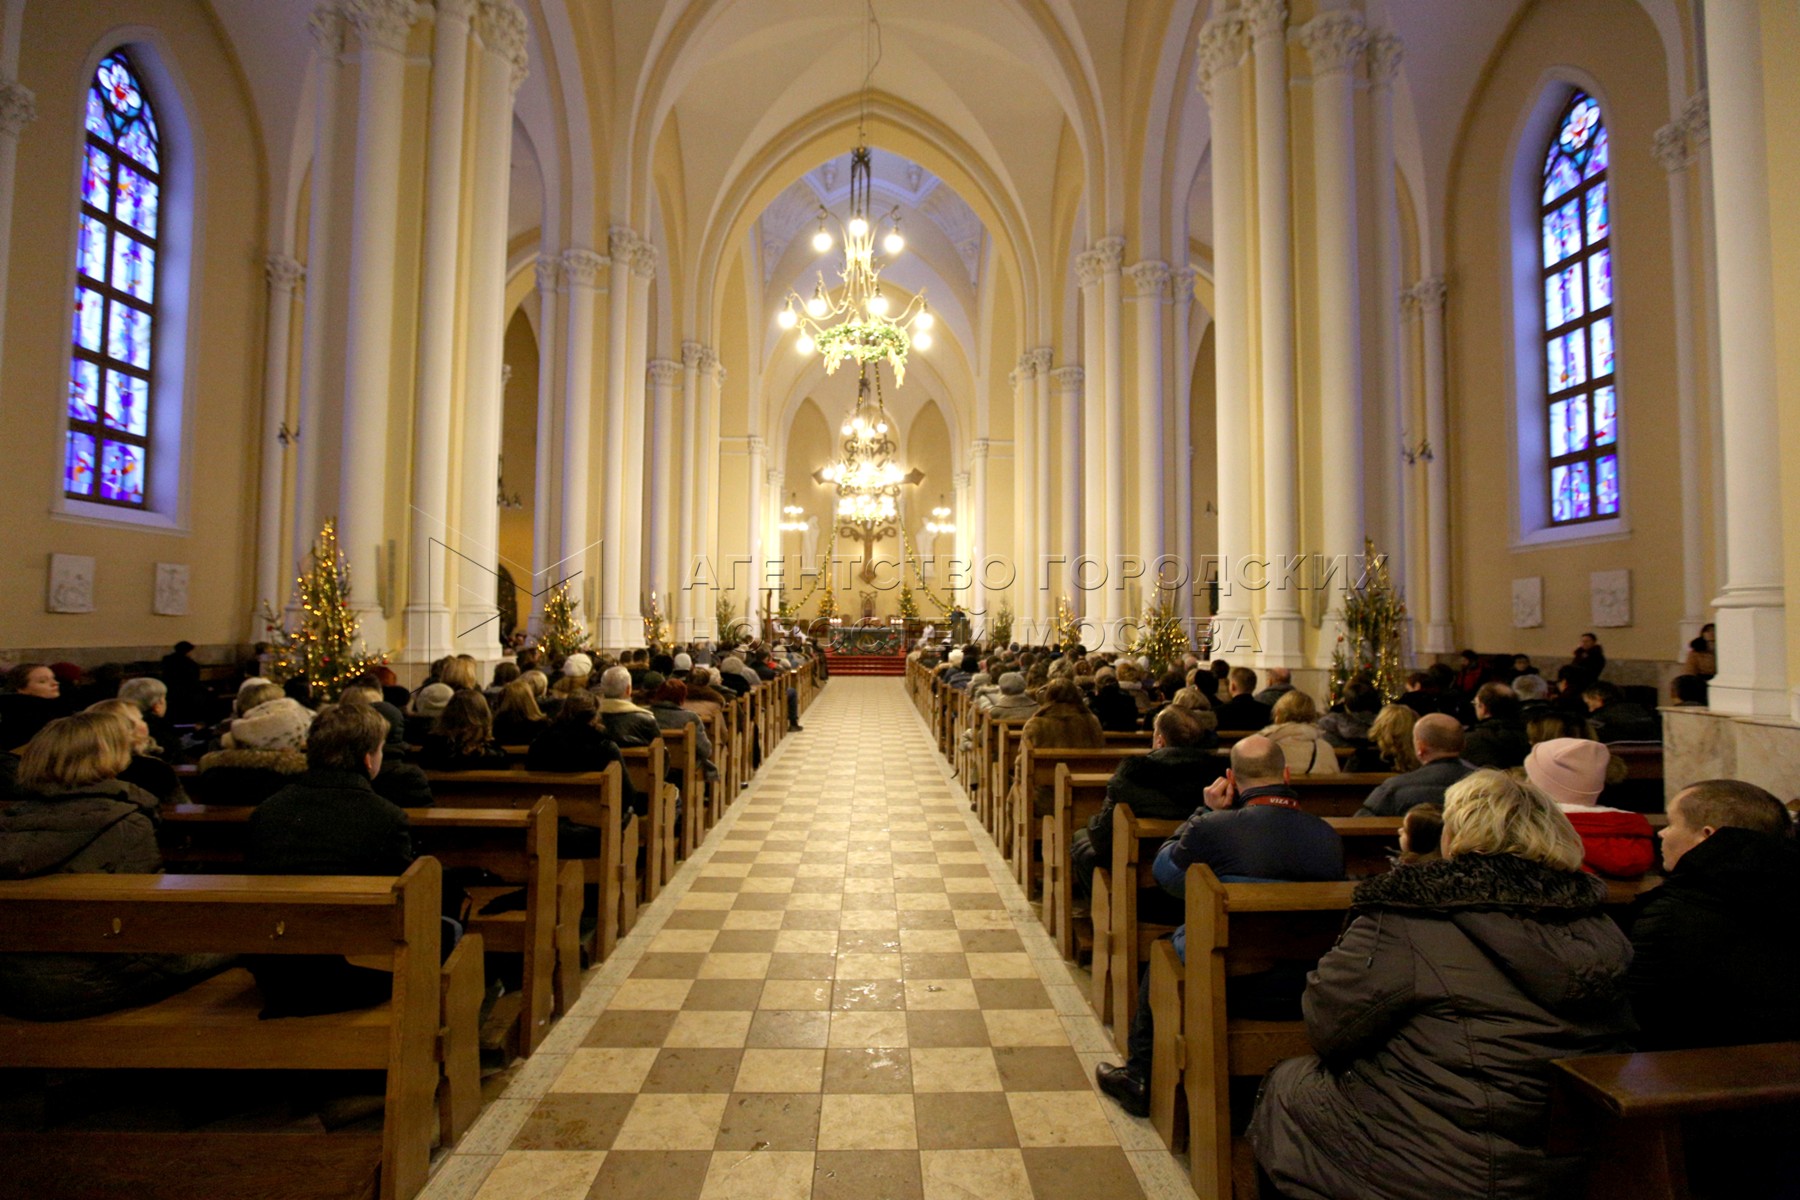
(1039, 603)
(1426, 299)
(712, 380)
(614, 616)
(1281, 624)
(382, 28)
(284, 275)
(1752, 604)
(1150, 286)
(327, 27)
(661, 453)
(1025, 481)
(1112, 251)
(546, 533)
(18, 108)
(1384, 55)
(1675, 147)
(961, 543)
(581, 273)
(1181, 281)
(978, 523)
(637, 449)
(500, 27)
(687, 483)
(1336, 41)
(758, 509)
(431, 526)
(1090, 266)
(1069, 381)
(1221, 53)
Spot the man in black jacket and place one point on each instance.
(1438, 742)
(1164, 785)
(1617, 719)
(1498, 739)
(1242, 711)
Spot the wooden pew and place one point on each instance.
(1121, 940)
(519, 845)
(1336, 795)
(1078, 798)
(593, 798)
(647, 766)
(214, 1025)
(1630, 1106)
(1037, 768)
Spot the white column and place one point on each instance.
(1039, 599)
(962, 541)
(1025, 482)
(382, 27)
(1674, 148)
(1427, 298)
(327, 27)
(1181, 281)
(500, 25)
(581, 272)
(1384, 55)
(712, 380)
(427, 617)
(1090, 266)
(1112, 252)
(1281, 623)
(18, 108)
(758, 522)
(687, 483)
(978, 522)
(775, 540)
(1221, 53)
(1335, 42)
(661, 498)
(637, 450)
(546, 531)
(1752, 604)
(1150, 285)
(1069, 382)
(284, 275)
(614, 616)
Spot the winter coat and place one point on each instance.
(517, 731)
(1163, 785)
(156, 777)
(628, 724)
(403, 784)
(1059, 727)
(246, 777)
(1624, 721)
(329, 823)
(1011, 708)
(1613, 842)
(21, 716)
(1497, 742)
(439, 753)
(674, 717)
(1435, 1019)
(577, 746)
(1241, 713)
(1717, 962)
(1346, 728)
(1427, 785)
(1115, 708)
(1307, 751)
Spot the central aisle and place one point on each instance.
(842, 995)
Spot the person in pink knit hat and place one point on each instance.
(1572, 772)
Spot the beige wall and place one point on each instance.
(224, 345)
(518, 447)
(1614, 42)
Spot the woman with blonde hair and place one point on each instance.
(152, 774)
(1390, 745)
(461, 671)
(1295, 728)
(518, 719)
(1198, 707)
(1438, 1013)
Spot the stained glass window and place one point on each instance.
(114, 322)
(1580, 351)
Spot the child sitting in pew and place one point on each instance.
(74, 815)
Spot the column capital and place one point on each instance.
(18, 108)
(1112, 253)
(619, 241)
(501, 26)
(581, 268)
(1335, 41)
(283, 272)
(327, 28)
(663, 372)
(755, 444)
(1266, 18)
(643, 259)
(1027, 369)
(549, 272)
(961, 481)
(1220, 48)
(1677, 144)
(1386, 52)
(1150, 278)
(1426, 296)
(1181, 284)
(776, 478)
(1041, 358)
(709, 361)
(1669, 146)
(1068, 379)
(1089, 266)
(457, 10)
(382, 23)
(1696, 120)
(1012, 380)
(692, 355)
(979, 449)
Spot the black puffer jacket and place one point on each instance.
(1435, 1018)
(1163, 785)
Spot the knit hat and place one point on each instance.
(979, 679)
(652, 680)
(1012, 683)
(684, 662)
(432, 699)
(578, 666)
(1569, 770)
(273, 725)
(954, 658)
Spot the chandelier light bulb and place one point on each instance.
(858, 227)
(924, 320)
(804, 344)
(881, 427)
(787, 317)
(878, 304)
(893, 243)
(816, 306)
(822, 239)
(922, 340)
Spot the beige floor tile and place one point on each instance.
(931, 941)
(672, 1122)
(542, 1175)
(781, 1071)
(975, 1175)
(683, 941)
(735, 966)
(868, 1029)
(867, 1122)
(796, 994)
(806, 941)
(933, 994)
(955, 1069)
(1060, 1119)
(759, 1175)
(709, 1030)
(785, 1029)
(605, 1070)
(869, 966)
(668, 994)
(745, 918)
(1001, 966)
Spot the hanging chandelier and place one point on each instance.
(940, 519)
(867, 477)
(857, 322)
(793, 517)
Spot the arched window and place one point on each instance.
(1582, 419)
(111, 368)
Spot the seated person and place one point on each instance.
(1572, 772)
(399, 782)
(1117, 711)
(1390, 744)
(1421, 835)
(463, 738)
(1064, 722)
(423, 713)
(1294, 728)
(1498, 738)
(1011, 702)
(152, 774)
(1438, 745)
(263, 752)
(1241, 710)
(668, 706)
(1617, 719)
(72, 814)
(32, 700)
(1436, 1015)
(1250, 828)
(628, 724)
(1421, 693)
(152, 698)
(1352, 724)
(576, 741)
(1163, 785)
(1533, 692)
(1281, 682)
(518, 719)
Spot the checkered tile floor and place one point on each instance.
(842, 995)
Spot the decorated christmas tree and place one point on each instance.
(657, 633)
(325, 645)
(999, 631)
(909, 604)
(1068, 626)
(730, 629)
(1370, 622)
(1161, 638)
(562, 634)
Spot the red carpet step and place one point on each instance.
(865, 664)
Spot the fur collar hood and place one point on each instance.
(285, 762)
(1484, 883)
